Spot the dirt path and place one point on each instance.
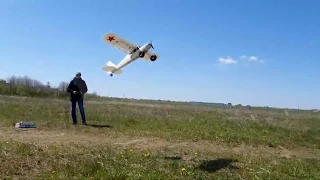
(69, 137)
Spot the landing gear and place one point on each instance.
(153, 58)
(141, 54)
(111, 75)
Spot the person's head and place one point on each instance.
(78, 75)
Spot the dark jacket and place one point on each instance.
(78, 85)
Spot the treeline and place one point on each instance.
(26, 86)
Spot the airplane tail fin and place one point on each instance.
(110, 68)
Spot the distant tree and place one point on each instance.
(26, 86)
(23, 81)
(12, 80)
(94, 93)
(37, 84)
(27, 81)
(63, 86)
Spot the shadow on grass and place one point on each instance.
(210, 166)
(217, 164)
(99, 126)
(172, 158)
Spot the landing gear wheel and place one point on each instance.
(153, 58)
(141, 54)
(111, 75)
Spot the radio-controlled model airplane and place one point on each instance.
(133, 53)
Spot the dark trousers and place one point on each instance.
(74, 107)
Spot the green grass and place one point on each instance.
(251, 144)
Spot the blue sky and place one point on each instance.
(51, 40)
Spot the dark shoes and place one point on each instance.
(83, 123)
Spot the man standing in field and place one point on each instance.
(77, 88)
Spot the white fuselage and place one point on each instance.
(135, 54)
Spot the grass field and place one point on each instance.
(156, 141)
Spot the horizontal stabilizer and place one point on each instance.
(111, 68)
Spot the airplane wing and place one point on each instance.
(148, 55)
(119, 43)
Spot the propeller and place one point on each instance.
(151, 44)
